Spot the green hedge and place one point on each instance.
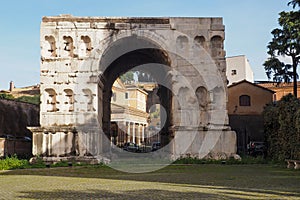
(282, 128)
(13, 163)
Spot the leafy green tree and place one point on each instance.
(127, 77)
(6, 96)
(285, 42)
(282, 128)
(30, 99)
(294, 3)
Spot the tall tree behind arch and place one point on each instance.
(285, 42)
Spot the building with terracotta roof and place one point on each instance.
(246, 102)
(280, 89)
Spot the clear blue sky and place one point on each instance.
(247, 22)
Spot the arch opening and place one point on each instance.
(154, 62)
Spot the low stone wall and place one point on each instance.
(9, 147)
(16, 116)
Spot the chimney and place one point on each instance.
(11, 86)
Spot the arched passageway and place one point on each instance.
(81, 57)
(154, 61)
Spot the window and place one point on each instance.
(233, 72)
(245, 100)
(126, 95)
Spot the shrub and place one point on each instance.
(6, 96)
(230, 161)
(12, 163)
(282, 128)
(28, 99)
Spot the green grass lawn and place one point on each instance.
(207, 181)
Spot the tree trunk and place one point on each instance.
(295, 76)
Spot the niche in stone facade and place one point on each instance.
(182, 42)
(90, 99)
(216, 46)
(203, 100)
(199, 41)
(182, 97)
(85, 47)
(187, 107)
(68, 46)
(69, 100)
(202, 96)
(218, 98)
(50, 46)
(51, 100)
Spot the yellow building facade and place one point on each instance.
(128, 114)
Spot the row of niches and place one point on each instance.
(65, 102)
(204, 98)
(215, 43)
(51, 48)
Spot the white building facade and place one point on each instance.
(237, 69)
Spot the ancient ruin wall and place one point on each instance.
(76, 51)
(16, 116)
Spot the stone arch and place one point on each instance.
(50, 46)
(98, 52)
(135, 40)
(125, 54)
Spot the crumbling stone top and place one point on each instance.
(145, 20)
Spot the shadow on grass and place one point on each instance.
(104, 194)
(245, 191)
(234, 181)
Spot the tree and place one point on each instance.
(6, 96)
(285, 42)
(294, 3)
(127, 77)
(30, 99)
(282, 128)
